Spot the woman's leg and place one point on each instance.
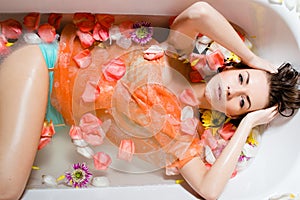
(23, 97)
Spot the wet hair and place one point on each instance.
(285, 90)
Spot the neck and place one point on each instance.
(199, 89)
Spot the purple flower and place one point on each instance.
(80, 176)
(142, 33)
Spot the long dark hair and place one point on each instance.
(284, 90)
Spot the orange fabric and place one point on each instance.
(145, 100)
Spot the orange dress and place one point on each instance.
(140, 105)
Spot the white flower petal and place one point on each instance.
(114, 33)
(86, 152)
(154, 49)
(186, 112)
(204, 40)
(32, 38)
(249, 151)
(80, 143)
(209, 156)
(200, 47)
(49, 180)
(100, 181)
(124, 42)
(276, 1)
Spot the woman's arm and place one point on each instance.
(204, 19)
(210, 183)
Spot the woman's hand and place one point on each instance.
(263, 116)
(258, 63)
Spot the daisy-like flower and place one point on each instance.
(80, 176)
(142, 33)
(212, 119)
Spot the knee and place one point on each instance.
(10, 192)
(199, 9)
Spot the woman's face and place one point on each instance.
(238, 91)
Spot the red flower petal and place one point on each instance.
(105, 20)
(195, 77)
(43, 142)
(114, 70)
(11, 29)
(75, 133)
(101, 161)
(100, 33)
(227, 131)
(91, 92)
(125, 28)
(31, 21)
(188, 97)
(86, 39)
(153, 56)
(47, 33)
(84, 21)
(215, 60)
(48, 129)
(55, 20)
(83, 59)
(126, 150)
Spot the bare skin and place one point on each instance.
(23, 91)
(23, 108)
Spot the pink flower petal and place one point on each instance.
(101, 161)
(91, 92)
(93, 138)
(3, 48)
(215, 60)
(188, 97)
(227, 131)
(83, 59)
(189, 126)
(126, 150)
(197, 61)
(153, 56)
(88, 122)
(100, 33)
(75, 133)
(86, 39)
(114, 70)
(209, 139)
(11, 29)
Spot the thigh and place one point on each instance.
(23, 92)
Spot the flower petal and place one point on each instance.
(83, 59)
(11, 28)
(75, 132)
(86, 39)
(100, 181)
(54, 20)
(80, 143)
(227, 131)
(188, 97)
(186, 112)
(195, 77)
(215, 60)
(31, 21)
(47, 33)
(126, 150)
(101, 161)
(84, 21)
(85, 151)
(43, 142)
(91, 92)
(49, 180)
(100, 33)
(114, 70)
(189, 126)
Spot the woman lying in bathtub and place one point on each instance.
(242, 92)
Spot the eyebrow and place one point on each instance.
(247, 97)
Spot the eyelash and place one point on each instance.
(241, 79)
(242, 102)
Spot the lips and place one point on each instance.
(219, 93)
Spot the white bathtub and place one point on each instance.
(276, 35)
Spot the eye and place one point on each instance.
(242, 102)
(241, 79)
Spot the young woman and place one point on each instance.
(24, 89)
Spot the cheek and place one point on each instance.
(232, 107)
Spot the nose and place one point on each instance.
(234, 91)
